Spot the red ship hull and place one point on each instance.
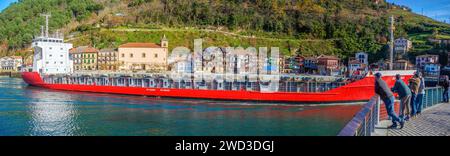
(361, 90)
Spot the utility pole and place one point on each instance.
(391, 44)
(47, 16)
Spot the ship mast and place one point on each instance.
(391, 44)
(47, 16)
(42, 31)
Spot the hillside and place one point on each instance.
(309, 27)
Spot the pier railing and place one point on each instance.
(364, 122)
(432, 97)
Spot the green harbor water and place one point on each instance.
(31, 111)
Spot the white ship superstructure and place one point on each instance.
(51, 54)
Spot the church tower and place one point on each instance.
(164, 42)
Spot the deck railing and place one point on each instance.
(364, 122)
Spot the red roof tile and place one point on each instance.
(140, 45)
(83, 49)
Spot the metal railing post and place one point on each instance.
(378, 102)
(431, 97)
(435, 96)
(364, 127)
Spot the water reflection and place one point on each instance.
(51, 114)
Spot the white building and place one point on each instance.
(180, 63)
(362, 57)
(402, 46)
(11, 63)
(421, 60)
(51, 54)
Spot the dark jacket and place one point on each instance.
(401, 88)
(445, 83)
(382, 89)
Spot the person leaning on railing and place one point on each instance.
(404, 94)
(420, 94)
(414, 84)
(385, 93)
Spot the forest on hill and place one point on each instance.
(309, 27)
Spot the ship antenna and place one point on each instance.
(42, 31)
(47, 16)
(57, 34)
(391, 54)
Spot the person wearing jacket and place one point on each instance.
(414, 84)
(386, 95)
(404, 94)
(420, 94)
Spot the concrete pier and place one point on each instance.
(434, 121)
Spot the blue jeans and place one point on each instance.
(389, 103)
(413, 104)
(419, 102)
(445, 96)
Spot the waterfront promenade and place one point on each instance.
(434, 121)
(372, 119)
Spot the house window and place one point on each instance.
(131, 55)
(143, 55)
(156, 55)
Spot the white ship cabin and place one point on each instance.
(51, 55)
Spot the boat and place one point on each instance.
(160, 86)
(53, 69)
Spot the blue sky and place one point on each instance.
(5, 3)
(437, 9)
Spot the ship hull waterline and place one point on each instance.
(361, 90)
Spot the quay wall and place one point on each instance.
(10, 74)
